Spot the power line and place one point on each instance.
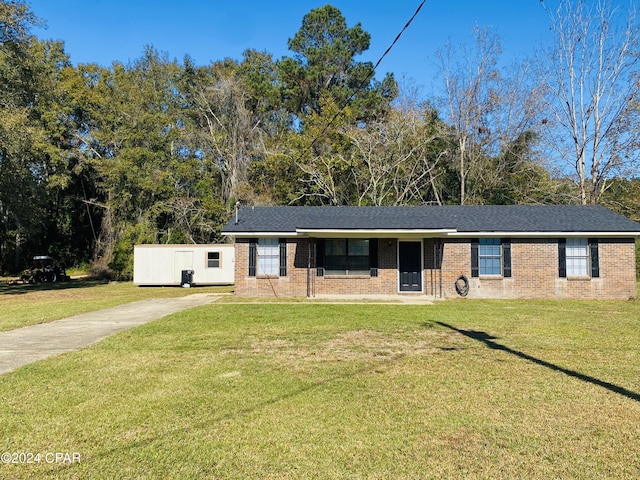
(399, 35)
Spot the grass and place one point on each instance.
(22, 305)
(459, 389)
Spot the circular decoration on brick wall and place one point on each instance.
(462, 286)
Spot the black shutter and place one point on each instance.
(253, 247)
(320, 257)
(475, 269)
(506, 257)
(283, 257)
(373, 257)
(595, 260)
(562, 258)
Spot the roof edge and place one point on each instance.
(419, 233)
(545, 234)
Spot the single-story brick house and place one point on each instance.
(513, 251)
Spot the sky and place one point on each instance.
(103, 31)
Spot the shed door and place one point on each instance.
(410, 266)
(182, 260)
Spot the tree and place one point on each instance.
(399, 161)
(469, 101)
(519, 178)
(68, 233)
(320, 154)
(324, 62)
(488, 109)
(227, 120)
(623, 197)
(324, 90)
(152, 183)
(591, 72)
(34, 137)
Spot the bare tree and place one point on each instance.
(470, 98)
(190, 219)
(230, 135)
(591, 72)
(399, 158)
(488, 108)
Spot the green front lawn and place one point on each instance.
(459, 389)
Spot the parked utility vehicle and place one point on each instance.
(45, 269)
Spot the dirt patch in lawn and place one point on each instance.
(353, 345)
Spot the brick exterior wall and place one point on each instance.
(534, 265)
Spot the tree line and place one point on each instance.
(95, 159)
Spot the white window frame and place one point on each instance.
(268, 256)
(577, 257)
(496, 243)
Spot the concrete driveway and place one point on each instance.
(28, 344)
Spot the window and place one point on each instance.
(346, 256)
(491, 256)
(268, 256)
(578, 257)
(213, 259)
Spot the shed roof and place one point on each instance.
(514, 219)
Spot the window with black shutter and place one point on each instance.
(320, 257)
(373, 257)
(578, 258)
(491, 257)
(595, 260)
(506, 257)
(562, 258)
(283, 257)
(253, 247)
(475, 269)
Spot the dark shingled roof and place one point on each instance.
(484, 218)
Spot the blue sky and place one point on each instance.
(104, 31)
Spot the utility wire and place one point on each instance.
(399, 35)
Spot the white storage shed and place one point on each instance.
(167, 264)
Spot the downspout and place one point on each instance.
(309, 254)
(434, 267)
(440, 255)
(314, 266)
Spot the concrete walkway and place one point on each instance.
(28, 344)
